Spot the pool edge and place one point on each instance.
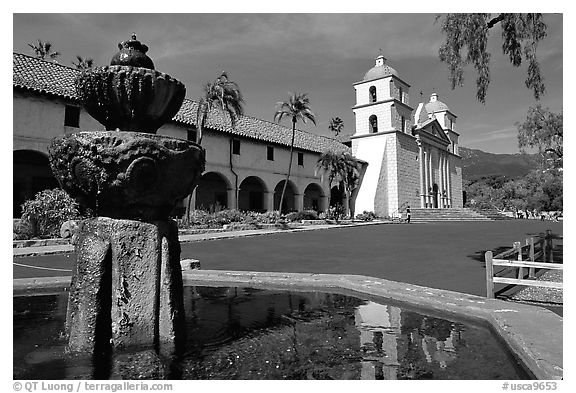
(533, 334)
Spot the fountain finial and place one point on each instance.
(132, 53)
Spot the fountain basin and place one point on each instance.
(130, 98)
(537, 347)
(131, 175)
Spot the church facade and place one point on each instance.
(412, 155)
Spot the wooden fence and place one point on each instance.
(538, 254)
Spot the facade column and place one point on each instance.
(299, 202)
(446, 178)
(232, 200)
(346, 204)
(444, 192)
(448, 182)
(269, 201)
(323, 203)
(422, 169)
(439, 168)
(431, 176)
(426, 179)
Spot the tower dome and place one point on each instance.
(434, 106)
(380, 70)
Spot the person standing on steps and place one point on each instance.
(408, 214)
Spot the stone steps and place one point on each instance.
(448, 215)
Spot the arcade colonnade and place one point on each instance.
(435, 182)
(259, 192)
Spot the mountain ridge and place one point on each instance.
(477, 163)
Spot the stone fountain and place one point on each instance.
(127, 283)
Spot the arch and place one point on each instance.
(372, 93)
(32, 174)
(251, 194)
(212, 192)
(373, 123)
(314, 197)
(289, 203)
(435, 196)
(336, 196)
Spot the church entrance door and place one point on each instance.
(435, 196)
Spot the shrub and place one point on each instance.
(335, 213)
(267, 217)
(21, 230)
(366, 216)
(48, 211)
(303, 215)
(224, 217)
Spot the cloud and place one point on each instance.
(343, 36)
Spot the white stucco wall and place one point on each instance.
(372, 150)
(456, 180)
(382, 111)
(382, 90)
(37, 120)
(408, 172)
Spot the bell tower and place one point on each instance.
(383, 123)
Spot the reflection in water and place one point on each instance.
(243, 333)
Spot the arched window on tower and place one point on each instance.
(373, 121)
(372, 93)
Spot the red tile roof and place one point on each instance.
(52, 78)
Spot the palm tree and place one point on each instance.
(297, 108)
(336, 125)
(351, 178)
(83, 63)
(222, 93)
(43, 50)
(342, 169)
(330, 163)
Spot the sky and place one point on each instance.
(323, 55)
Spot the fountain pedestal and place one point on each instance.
(127, 286)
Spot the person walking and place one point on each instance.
(408, 214)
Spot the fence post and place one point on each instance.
(518, 246)
(489, 275)
(531, 271)
(550, 246)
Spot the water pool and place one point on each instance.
(246, 333)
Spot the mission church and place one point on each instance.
(409, 157)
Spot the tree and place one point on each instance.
(342, 169)
(43, 50)
(297, 108)
(221, 93)
(542, 130)
(331, 164)
(224, 94)
(351, 179)
(83, 63)
(336, 125)
(520, 36)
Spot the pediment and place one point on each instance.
(432, 128)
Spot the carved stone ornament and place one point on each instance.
(132, 53)
(130, 98)
(125, 174)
